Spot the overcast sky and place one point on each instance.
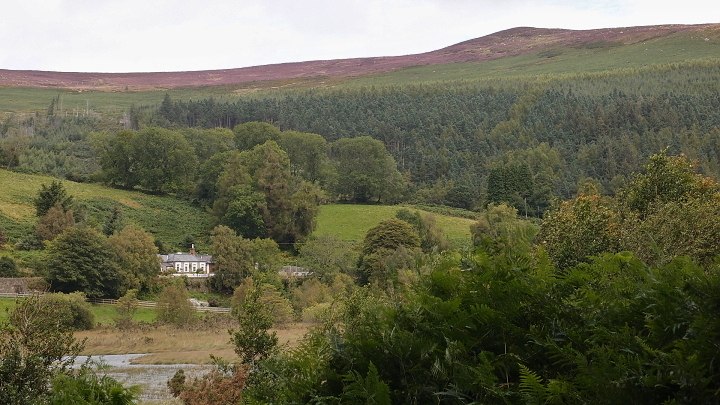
(179, 35)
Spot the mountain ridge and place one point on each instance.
(510, 42)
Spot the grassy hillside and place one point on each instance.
(560, 60)
(351, 222)
(170, 219)
(167, 218)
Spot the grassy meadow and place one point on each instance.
(167, 218)
(351, 222)
(170, 219)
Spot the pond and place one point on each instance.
(152, 378)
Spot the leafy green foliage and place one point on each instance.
(383, 243)
(579, 228)
(173, 306)
(8, 267)
(366, 390)
(431, 236)
(252, 340)
(365, 171)
(89, 387)
(134, 258)
(666, 212)
(233, 259)
(271, 302)
(665, 179)
(81, 260)
(127, 305)
(500, 229)
(326, 255)
(252, 134)
(75, 310)
(257, 196)
(36, 344)
(390, 234)
(501, 328)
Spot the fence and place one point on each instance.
(141, 304)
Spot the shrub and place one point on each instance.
(87, 387)
(273, 303)
(173, 306)
(77, 313)
(8, 267)
(34, 348)
(221, 386)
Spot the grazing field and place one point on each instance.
(169, 219)
(351, 222)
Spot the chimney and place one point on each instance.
(192, 249)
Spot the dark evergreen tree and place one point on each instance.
(50, 195)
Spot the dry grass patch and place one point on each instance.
(130, 203)
(172, 345)
(17, 212)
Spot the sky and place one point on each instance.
(118, 36)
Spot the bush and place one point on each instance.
(34, 348)
(316, 313)
(173, 306)
(77, 313)
(273, 303)
(87, 387)
(8, 267)
(221, 386)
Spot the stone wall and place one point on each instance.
(25, 285)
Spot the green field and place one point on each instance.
(351, 222)
(169, 219)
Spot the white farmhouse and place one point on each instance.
(187, 264)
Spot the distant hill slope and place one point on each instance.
(512, 42)
(167, 218)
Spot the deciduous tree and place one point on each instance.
(82, 260)
(365, 171)
(134, 258)
(55, 221)
(35, 345)
(233, 259)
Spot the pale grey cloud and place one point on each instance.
(164, 35)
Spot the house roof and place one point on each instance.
(185, 257)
